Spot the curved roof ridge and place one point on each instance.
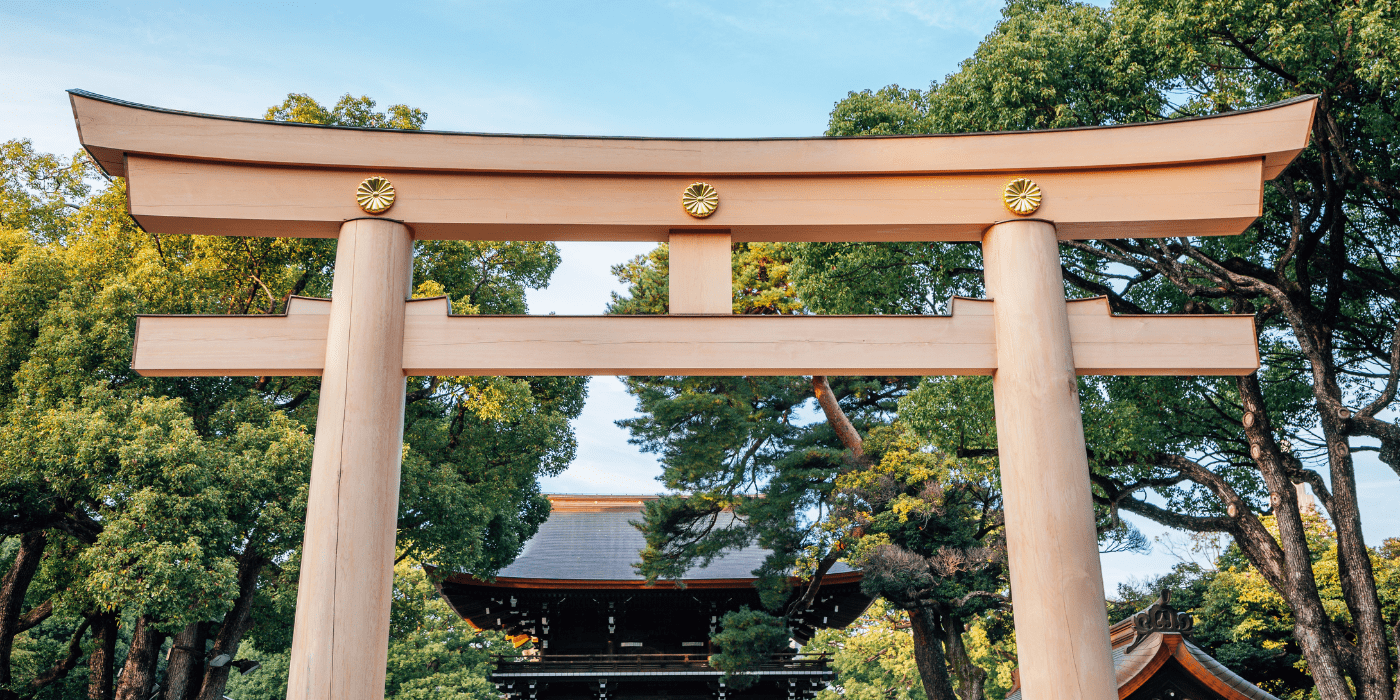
(204, 115)
(113, 129)
(1234, 680)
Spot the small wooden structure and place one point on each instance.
(1154, 659)
(377, 191)
(600, 631)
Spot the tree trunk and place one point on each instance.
(1358, 580)
(102, 660)
(184, 673)
(139, 671)
(12, 590)
(236, 623)
(971, 677)
(928, 654)
(1311, 624)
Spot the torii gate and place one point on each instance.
(378, 190)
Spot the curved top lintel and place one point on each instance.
(110, 129)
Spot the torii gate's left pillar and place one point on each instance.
(340, 642)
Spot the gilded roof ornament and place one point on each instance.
(700, 199)
(375, 195)
(1021, 196)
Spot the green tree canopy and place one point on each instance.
(1218, 455)
(145, 508)
(1223, 454)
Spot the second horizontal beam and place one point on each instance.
(438, 344)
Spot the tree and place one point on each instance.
(433, 653)
(928, 533)
(1315, 271)
(873, 658)
(746, 639)
(348, 111)
(1242, 621)
(174, 507)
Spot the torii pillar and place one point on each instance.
(196, 174)
(341, 636)
(1051, 537)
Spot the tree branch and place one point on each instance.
(837, 418)
(1388, 394)
(66, 664)
(40, 613)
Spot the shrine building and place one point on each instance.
(599, 632)
(602, 632)
(1154, 659)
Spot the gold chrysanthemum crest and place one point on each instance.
(375, 195)
(700, 199)
(1021, 196)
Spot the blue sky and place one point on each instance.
(719, 69)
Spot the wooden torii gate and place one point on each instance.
(377, 191)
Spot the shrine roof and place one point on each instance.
(590, 538)
(1152, 643)
(111, 128)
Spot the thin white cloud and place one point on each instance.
(814, 19)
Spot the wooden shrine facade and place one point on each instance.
(378, 191)
(599, 631)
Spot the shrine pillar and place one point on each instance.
(1056, 581)
(340, 642)
(701, 274)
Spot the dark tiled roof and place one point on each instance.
(592, 538)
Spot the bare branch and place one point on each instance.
(1388, 394)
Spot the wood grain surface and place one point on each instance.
(341, 635)
(701, 274)
(1062, 639)
(203, 197)
(438, 344)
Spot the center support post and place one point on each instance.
(341, 638)
(1052, 544)
(701, 273)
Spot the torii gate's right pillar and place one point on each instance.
(1056, 581)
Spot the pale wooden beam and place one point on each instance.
(288, 345)
(111, 128)
(963, 343)
(701, 273)
(1159, 344)
(218, 198)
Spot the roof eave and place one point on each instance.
(110, 129)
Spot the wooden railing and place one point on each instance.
(566, 663)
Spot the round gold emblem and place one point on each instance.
(375, 195)
(700, 200)
(1021, 196)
